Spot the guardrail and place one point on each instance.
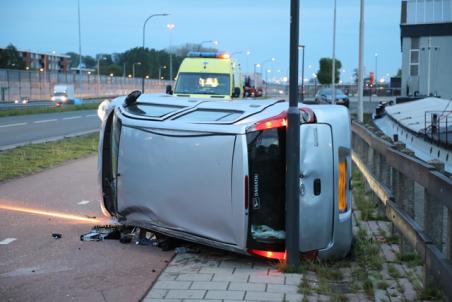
(416, 197)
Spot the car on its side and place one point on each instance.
(325, 95)
(213, 172)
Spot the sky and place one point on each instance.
(258, 26)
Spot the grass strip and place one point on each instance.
(50, 109)
(31, 159)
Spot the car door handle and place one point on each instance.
(317, 186)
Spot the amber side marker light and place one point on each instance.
(50, 213)
(342, 187)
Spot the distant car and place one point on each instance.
(325, 95)
(23, 100)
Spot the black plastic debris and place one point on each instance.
(99, 233)
(57, 235)
(186, 250)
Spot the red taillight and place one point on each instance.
(269, 254)
(307, 115)
(246, 192)
(276, 121)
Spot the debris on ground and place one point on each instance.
(57, 235)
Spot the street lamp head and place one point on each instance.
(138, 63)
(215, 42)
(248, 52)
(170, 26)
(258, 65)
(111, 74)
(273, 59)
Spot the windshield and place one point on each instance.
(329, 91)
(203, 83)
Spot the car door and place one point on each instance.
(316, 186)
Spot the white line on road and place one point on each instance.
(12, 125)
(45, 121)
(72, 117)
(83, 202)
(7, 241)
(90, 115)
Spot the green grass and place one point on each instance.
(30, 159)
(53, 109)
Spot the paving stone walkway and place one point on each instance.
(215, 275)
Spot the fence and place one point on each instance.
(416, 197)
(38, 85)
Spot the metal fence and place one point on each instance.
(38, 85)
(416, 197)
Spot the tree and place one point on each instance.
(10, 58)
(89, 62)
(74, 58)
(324, 73)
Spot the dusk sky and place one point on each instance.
(261, 27)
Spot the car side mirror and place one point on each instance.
(236, 92)
(169, 89)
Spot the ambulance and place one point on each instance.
(208, 75)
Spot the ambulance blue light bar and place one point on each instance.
(199, 54)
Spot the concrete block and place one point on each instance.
(225, 294)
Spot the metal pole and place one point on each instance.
(144, 39)
(428, 64)
(98, 76)
(333, 69)
(302, 73)
(293, 146)
(360, 64)
(79, 52)
(376, 72)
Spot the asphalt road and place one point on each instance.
(18, 130)
(36, 267)
(11, 105)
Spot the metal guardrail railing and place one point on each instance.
(417, 199)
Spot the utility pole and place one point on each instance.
(293, 146)
(360, 63)
(333, 69)
(170, 27)
(79, 52)
(302, 72)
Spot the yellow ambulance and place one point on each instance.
(208, 75)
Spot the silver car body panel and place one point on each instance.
(185, 178)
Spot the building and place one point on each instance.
(46, 61)
(426, 44)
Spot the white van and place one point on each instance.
(63, 93)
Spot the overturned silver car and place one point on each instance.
(213, 172)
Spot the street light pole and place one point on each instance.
(133, 68)
(302, 73)
(376, 72)
(170, 27)
(144, 37)
(293, 145)
(333, 69)
(360, 63)
(265, 70)
(79, 51)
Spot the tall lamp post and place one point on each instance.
(376, 72)
(98, 73)
(360, 63)
(333, 69)
(133, 68)
(302, 72)
(264, 70)
(293, 145)
(144, 37)
(170, 27)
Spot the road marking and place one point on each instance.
(72, 117)
(7, 241)
(12, 125)
(45, 121)
(83, 202)
(90, 115)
